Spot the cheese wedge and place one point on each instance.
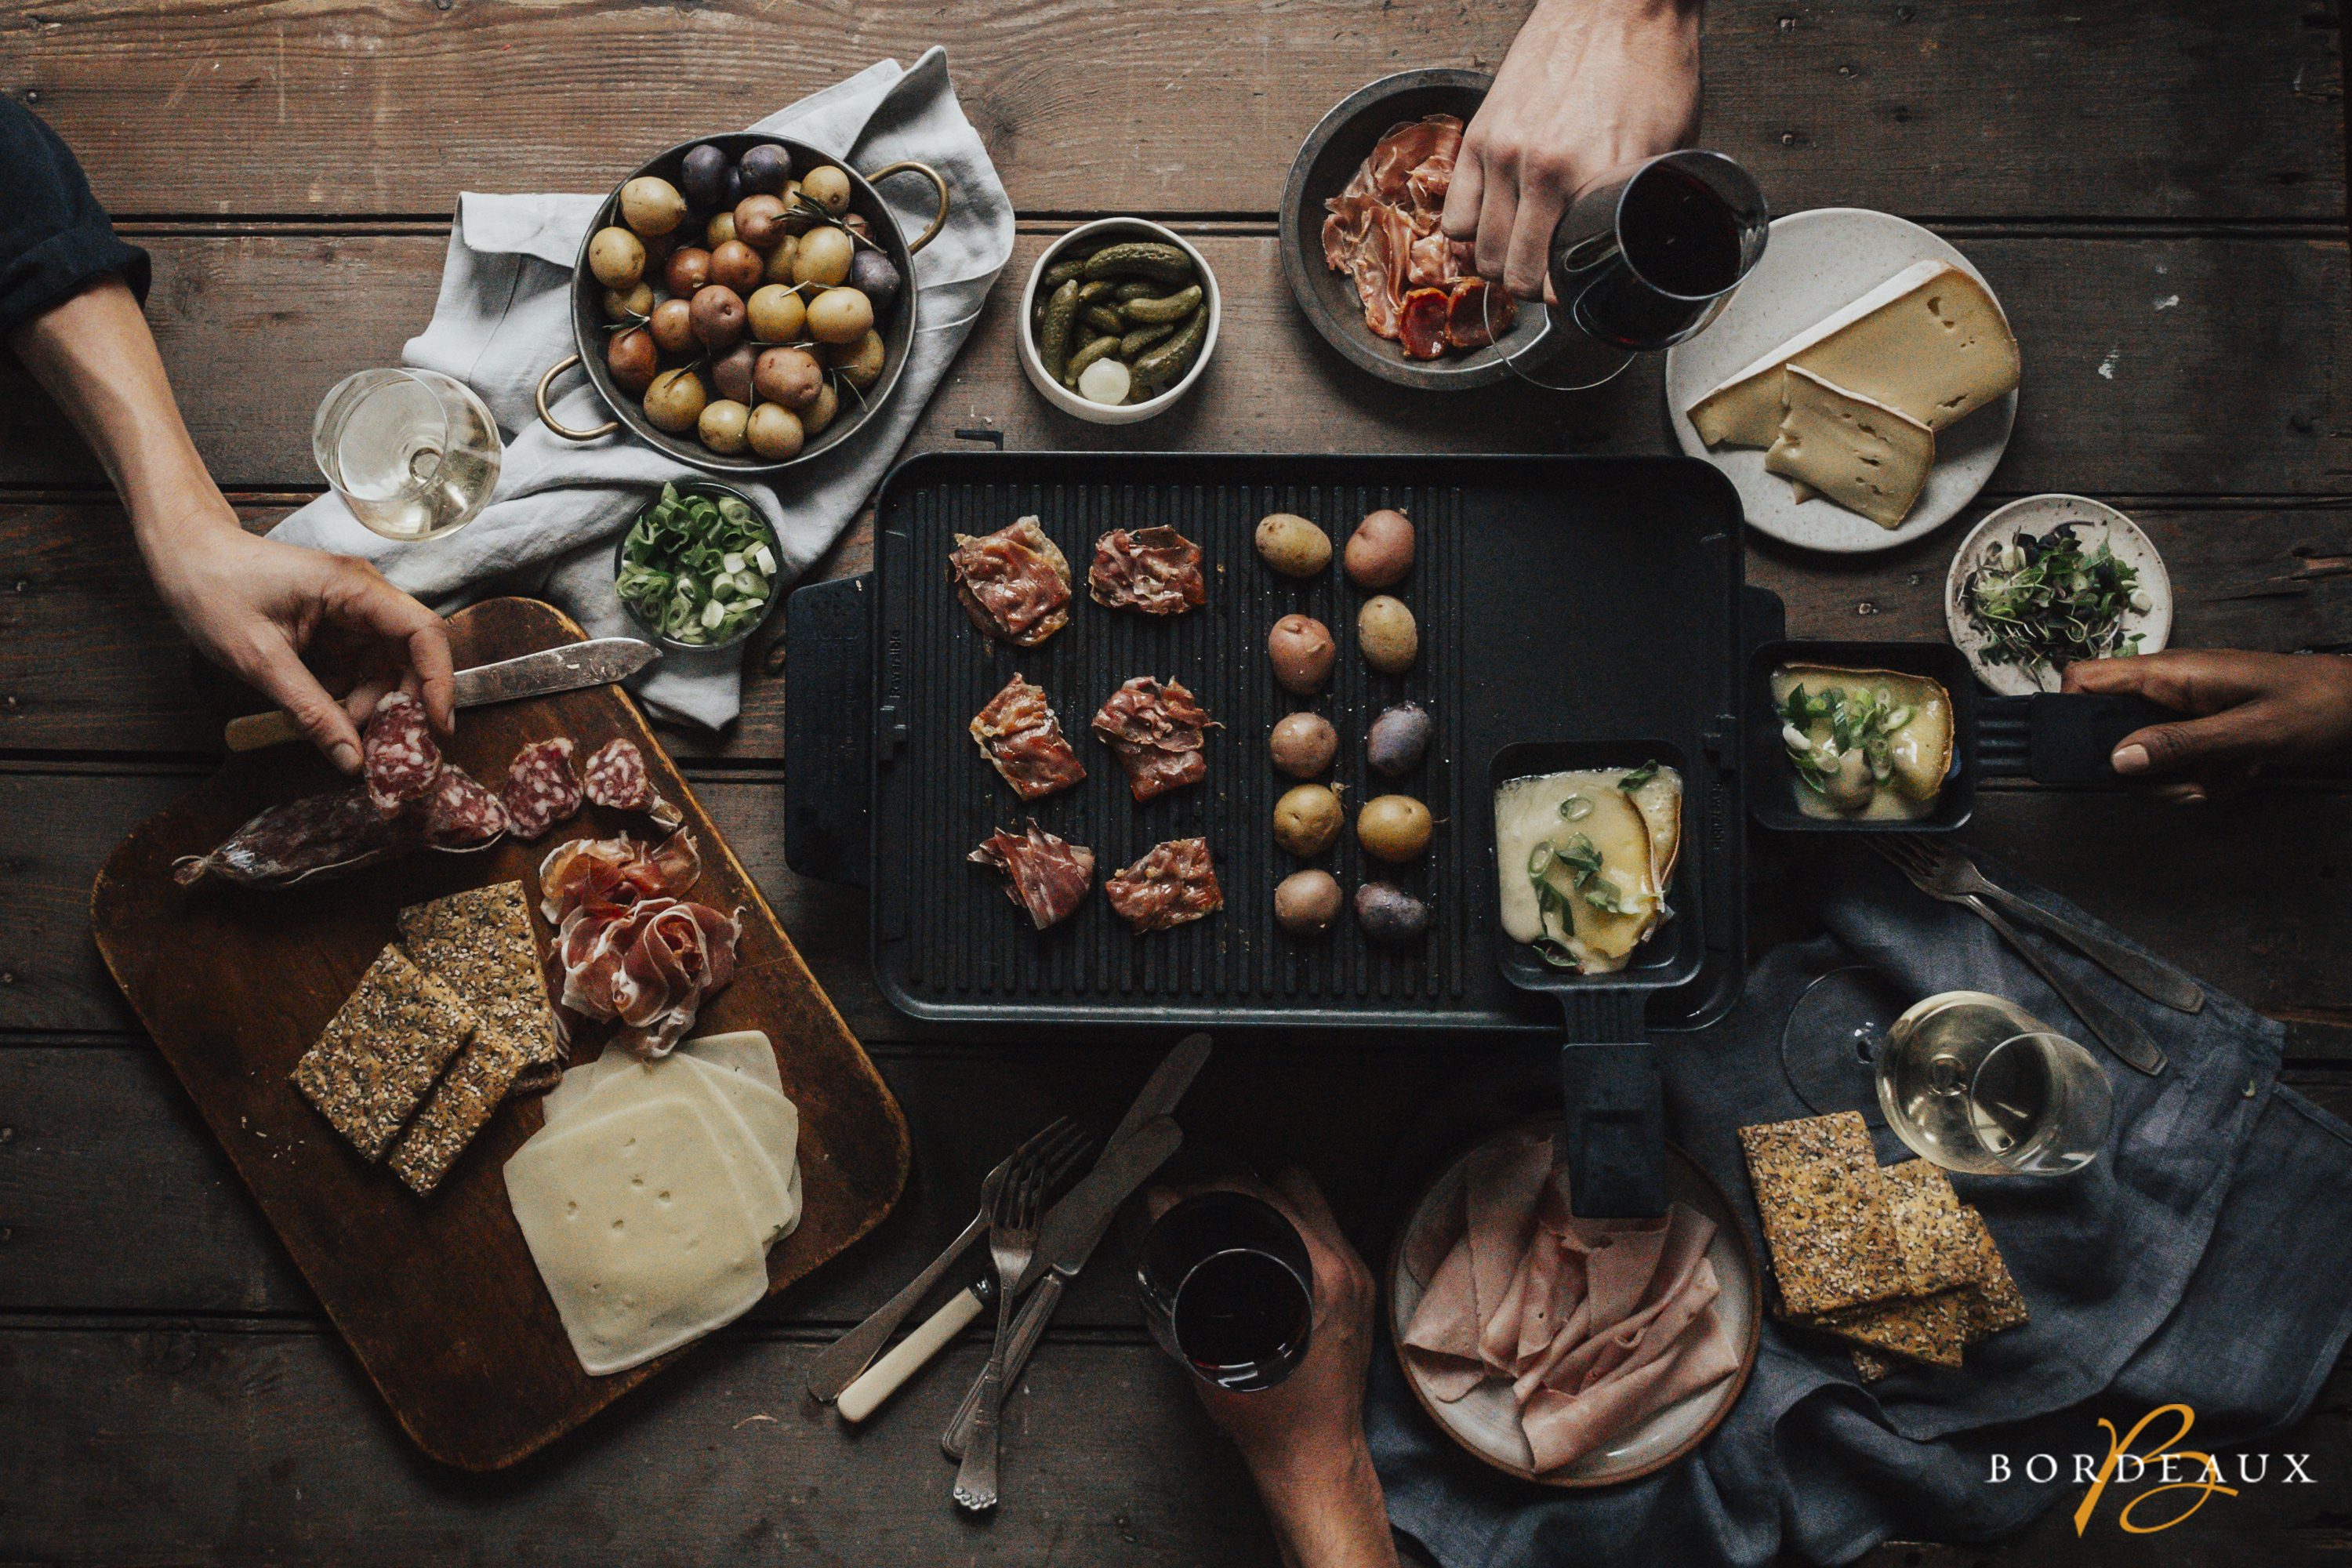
(1863, 454)
(1928, 343)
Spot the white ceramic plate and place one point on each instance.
(1817, 263)
(1486, 1422)
(2037, 515)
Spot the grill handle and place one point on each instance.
(1615, 1132)
(829, 730)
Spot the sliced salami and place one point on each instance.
(616, 776)
(460, 813)
(317, 835)
(541, 790)
(400, 762)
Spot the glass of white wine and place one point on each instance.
(1974, 1083)
(413, 453)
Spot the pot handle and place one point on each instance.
(938, 220)
(548, 419)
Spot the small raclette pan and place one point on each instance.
(1615, 1132)
(2052, 738)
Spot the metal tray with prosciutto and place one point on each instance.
(1558, 599)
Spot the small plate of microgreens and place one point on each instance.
(2049, 580)
(699, 569)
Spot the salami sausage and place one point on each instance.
(400, 762)
(317, 835)
(616, 776)
(460, 813)
(541, 790)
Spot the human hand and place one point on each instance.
(1587, 86)
(2246, 710)
(1303, 1439)
(259, 609)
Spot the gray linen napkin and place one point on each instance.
(2200, 1260)
(504, 316)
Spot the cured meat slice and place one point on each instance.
(1044, 874)
(541, 789)
(1172, 884)
(1157, 571)
(317, 835)
(1015, 583)
(617, 776)
(399, 759)
(1421, 326)
(1023, 739)
(1155, 731)
(459, 813)
(617, 871)
(1382, 230)
(649, 965)
(1476, 313)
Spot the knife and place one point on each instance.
(1161, 1094)
(567, 669)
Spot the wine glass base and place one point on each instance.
(1829, 1045)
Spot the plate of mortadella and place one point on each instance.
(1572, 1353)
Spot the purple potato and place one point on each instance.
(1389, 915)
(1398, 740)
(764, 169)
(872, 275)
(732, 374)
(700, 172)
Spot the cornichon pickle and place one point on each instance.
(1069, 266)
(1150, 312)
(1143, 338)
(1134, 288)
(1053, 337)
(1144, 257)
(1171, 359)
(1103, 318)
(1090, 292)
(1085, 356)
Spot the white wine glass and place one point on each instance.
(1975, 1083)
(413, 453)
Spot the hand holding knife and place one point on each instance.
(595, 662)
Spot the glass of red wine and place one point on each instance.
(1228, 1289)
(1642, 260)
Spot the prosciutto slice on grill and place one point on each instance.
(1015, 583)
(1416, 286)
(629, 949)
(1019, 735)
(1155, 731)
(1172, 884)
(1044, 874)
(1157, 571)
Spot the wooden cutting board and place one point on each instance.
(439, 1297)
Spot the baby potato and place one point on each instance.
(774, 432)
(1307, 819)
(737, 265)
(1386, 632)
(617, 258)
(1380, 553)
(688, 269)
(819, 414)
(872, 275)
(781, 256)
(672, 325)
(1398, 738)
(828, 187)
(1301, 650)
(718, 315)
(634, 303)
(765, 168)
(1389, 915)
(1306, 902)
(789, 376)
(824, 257)
(632, 359)
(777, 314)
(1394, 827)
(723, 425)
(861, 363)
(840, 316)
(719, 230)
(1292, 545)
(652, 206)
(676, 401)
(758, 221)
(730, 373)
(1303, 744)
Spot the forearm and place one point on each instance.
(1327, 1510)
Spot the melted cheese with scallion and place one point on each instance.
(1584, 863)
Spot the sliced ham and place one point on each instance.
(1382, 232)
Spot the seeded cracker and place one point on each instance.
(468, 1093)
(1993, 1302)
(1818, 1191)
(481, 944)
(1870, 1365)
(381, 1051)
(1932, 1329)
(1939, 1251)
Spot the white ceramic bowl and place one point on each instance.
(1069, 402)
(2040, 514)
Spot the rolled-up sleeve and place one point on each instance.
(54, 239)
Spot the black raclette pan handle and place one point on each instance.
(1613, 1141)
(829, 730)
(2061, 738)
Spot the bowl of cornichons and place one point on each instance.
(1117, 320)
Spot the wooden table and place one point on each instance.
(2156, 190)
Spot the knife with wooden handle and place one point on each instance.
(595, 662)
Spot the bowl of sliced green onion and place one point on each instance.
(699, 568)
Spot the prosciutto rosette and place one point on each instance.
(629, 948)
(1044, 874)
(1156, 730)
(1416, 286)
(1024, 740)
(1015, 583)
(1155, 570)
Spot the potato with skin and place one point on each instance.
(828, 187)
(718, 315)
(1385, 630)
(737, 265)
(672, 325)
(1302, 744)
(820, 413)
(1396, 827)
(688, 269)
(861, 363)
(676, 401)
(617, 258)
(1390, 916)
(632, 360)
(652, 206)
(1380, 553)
(824, 257)
(759, 221)
(774, 432)
(1306, 902)
(718, 231)
(730, 373)
(777, 314)
(1307, 819)
(1301, 650)
(1292, 545)
(840, 316)
(723, 425)
(789, 376)
(1398, 740)
(633, 303)
(782, 257)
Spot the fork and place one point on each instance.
(1926, 862)
(1012, 1241)
(2117, 1033)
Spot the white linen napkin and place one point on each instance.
(504, 316)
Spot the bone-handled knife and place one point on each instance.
(596, 662)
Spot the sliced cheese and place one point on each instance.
(568, 1093)
(744, 1051)
(639, 1228)
(1660, 802)
(1632, 832)
(1605, 939)
(761, 1180)
(1863, 454)
(1929, 342)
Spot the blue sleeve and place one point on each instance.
(54, 239)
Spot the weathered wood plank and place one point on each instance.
(1947, 107)
(2237, 389)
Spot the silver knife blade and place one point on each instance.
(1162, 1089)
(567, 669)
(1075, 1226)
